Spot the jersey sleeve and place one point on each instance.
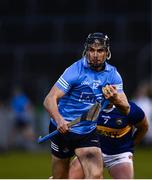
(117, 80)
(68, 78)
(136, 114)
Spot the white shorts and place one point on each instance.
(112, 160)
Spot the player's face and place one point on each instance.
(96, 55)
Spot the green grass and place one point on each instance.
(143, 163)
(23, 165)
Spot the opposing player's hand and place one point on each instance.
(110, 92)
(62, 126)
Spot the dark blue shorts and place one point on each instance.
(63, 145)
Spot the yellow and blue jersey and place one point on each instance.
(82, 87)
(116, 130)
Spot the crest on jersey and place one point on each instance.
(118, 121)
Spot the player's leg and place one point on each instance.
(75, 170)
(91, 161)
(61, 155)
(60, 167)
(120, 166)
(122, 171)
(89, 154)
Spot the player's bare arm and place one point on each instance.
(118, 99)
(142, 128)
(50, 104)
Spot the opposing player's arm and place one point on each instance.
(118, 99)
(142, 128)
(50, 104)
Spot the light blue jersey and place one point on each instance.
(82, 87)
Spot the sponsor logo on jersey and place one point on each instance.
(87, 98)
(112, 132)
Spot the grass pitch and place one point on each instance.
(23, 165)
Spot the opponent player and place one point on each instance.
(118, 135)
(75, 92)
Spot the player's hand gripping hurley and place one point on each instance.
(91, 115)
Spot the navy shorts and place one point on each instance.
(64, 145)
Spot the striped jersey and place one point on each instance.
(116, 130)
(82, 87)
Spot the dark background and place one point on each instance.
(40, 38)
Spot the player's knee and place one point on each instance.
(97, 173)
(76, 171)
